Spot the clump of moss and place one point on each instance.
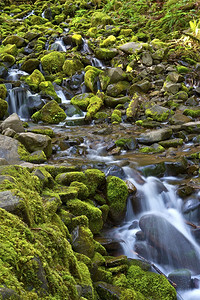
(47, 88)
(94, 179)
(117, 193)
(194, 113)
(93, 107)
(94, 214)
(34, 80)
(50, 113)
(53, 62)
(116, 116)
(3, 108)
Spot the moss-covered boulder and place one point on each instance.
(72, 66)
(53, 62)
(77, 39)
(82, 241)
(95, 179)
(3, 108)
(158, 113)
(105, 53)
(117, 193)
(94, 214)
(50, 113)
(9, 49)
(100, 18)
(109, 41)
(91, 78)
(69, 177)
(93, 107)
(118, 88)
(14, 40)
(3, 91)
(30, 65)
(47, 88)
(34, 80)
(8, 59)
(82, 100)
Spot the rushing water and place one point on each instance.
(168, 240)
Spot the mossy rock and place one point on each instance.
(94, 214)
(158, 113)
(34, 80)
(50, 113)
(3, 108)
(69, 177)
(192, 112)
(14, 40)
(82, 100)
(82, 189)
(8, 59)
(118, 88)
(93, 107)
(53, 62)
(155, 148)
(3, 91)
(82, 241)
(100, 18)
(30, 65)
(95, 179)
(47, 88)
(9, 49)
(77, 39)
(72, 66)
(151, 285)
(91, 78)
(116, 116)
(105, 54)
(117, 193)
(109, 41)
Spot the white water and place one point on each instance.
(61, 45)
(17, 100)
(158, 198)
(62, 97)
(15, 74)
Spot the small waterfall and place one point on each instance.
(62, 97)
(58, 45)
(166, 240)
(15, 74)
(97, 63)
(85, 48)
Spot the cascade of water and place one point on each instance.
(62, 97)
(85, 48)
(15, 74)
(97, 63)
(168, 241)
(58, 45)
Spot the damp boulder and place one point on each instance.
(53, 62)
(3, 108)
(9, 149)
(182, 254)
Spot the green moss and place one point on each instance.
(9, 49)
(91, 77)
(68, 178)
(80, 221)
(53, 62)
(27, 188)
(72, 66)
(82, 101)
(116, 116)
(3, 91)
(105, 54)
(93, 107)
(150, 284)
(34, 80)
(77, 39)
(100, 18)
(50, 113)
(117, 193)
(47, 88)
(160, 117)
(94, 214)
(95, 179)
(131, 295)
(194, 113)
(157, 149)
(3, 108)
(182, 69)
(46, 131)
(83, 191)
(109, 41)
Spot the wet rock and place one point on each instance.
(178, 118)
(157, 113)
(155, 136)
(30, 65)
(14, 40)
(171, 143)
(113, 102)
(176, 168)
(117, 89)
(3, 108)
(12, 122)
(110, 244)
(107, 291)
(116, 261)
(115, 171)
(169, 250)
(34, 142)
(192, 127)
(3, 70)
(115, 74)
(175, 77)
(147, 59)
(182, 278)
(153, 170)
(141, 86)
(73, 110)
(9, 201)
(3, 161)
(171, 87)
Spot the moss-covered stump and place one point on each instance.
(53, 62)
(117, 193)
(50, 113)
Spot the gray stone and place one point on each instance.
(182, 277)
(34, 142)
(3, 162)
(115, 74)
(13, 122)
(179, 119)
(141, 86)
(107, 291)
(147, 59)
(8, 201)
(9, 132)
(131, 47)
(171, 87)
(175, 77)
(192, 127)
(9, 149)
(155, 136)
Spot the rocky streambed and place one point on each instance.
(99, 158)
